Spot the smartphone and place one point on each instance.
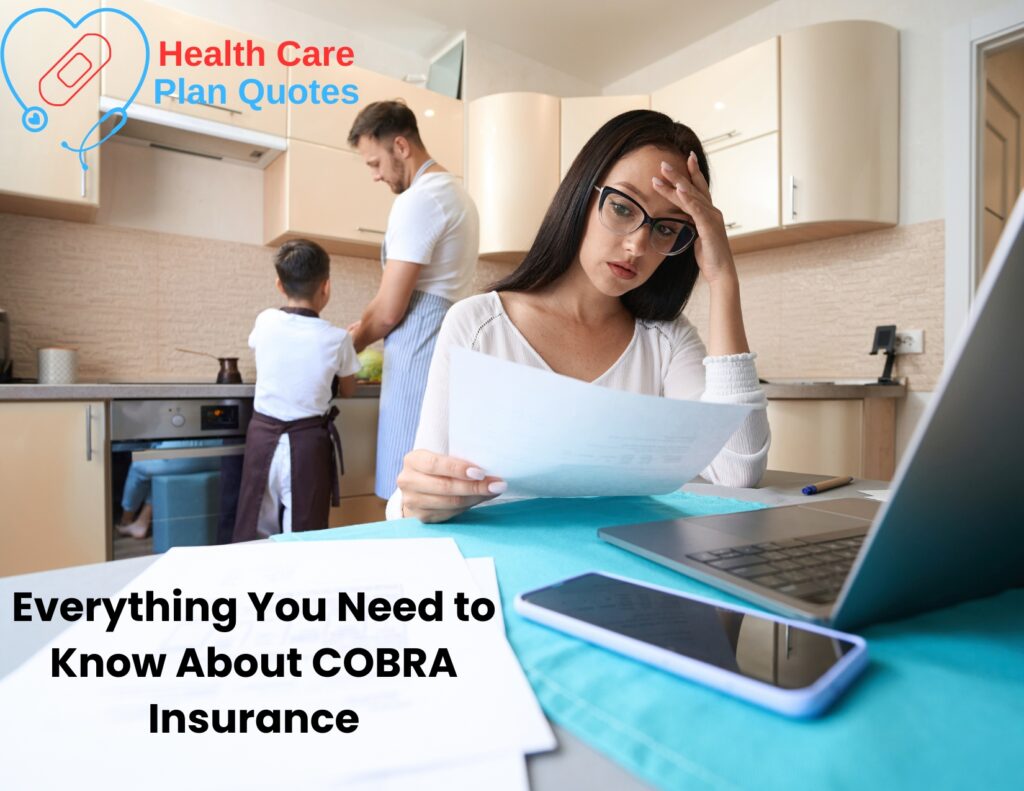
(794, 668)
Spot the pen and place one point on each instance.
(824, 486)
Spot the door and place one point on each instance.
(840, 120)
(53, 485)
(210, 92)
(731, 101)
(439, 118)
(326, 194)
(584, 115)
(1002, 144)
(173, 493)
(33, 163)
(745, 185)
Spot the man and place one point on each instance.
(429, 257)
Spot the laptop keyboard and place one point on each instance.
(811, 570)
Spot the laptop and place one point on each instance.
(953, 527)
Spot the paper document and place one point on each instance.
(549, 435)
(882, 495)
(407, 724)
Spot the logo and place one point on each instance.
(68, 75)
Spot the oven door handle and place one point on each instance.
(188, 453)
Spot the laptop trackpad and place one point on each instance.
(768, 524)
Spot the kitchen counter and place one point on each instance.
(119, 390)
(839, 424)
(787, 389)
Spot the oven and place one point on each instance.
(176, 467)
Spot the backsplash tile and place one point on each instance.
(127, 298)
(810, 310)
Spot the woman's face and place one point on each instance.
(617, 264)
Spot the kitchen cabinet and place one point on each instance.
(513, 168)
(357, 426)
(167, 27)
(745, 184)
(38, 176)
(54, 485)
(840, 121)
(834, 430)
(327, 194)
(729, 102)
(439, 117)
(802, 133)
(581, 116)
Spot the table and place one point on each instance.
(572, 765)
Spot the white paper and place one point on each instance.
(486, 578)
(535, 734)
(406, 724)
(549, 435)
(500, 772)
(882, 495)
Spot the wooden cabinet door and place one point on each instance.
(357, 425)
(165, 25)
(731, 101)
(327, 194)
(53, 485)
(819, 436)
(745, 185)
(33, 164)
(840, 121)
(513, 168)
(439, 117)
(584, 115)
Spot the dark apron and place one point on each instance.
(316, 464)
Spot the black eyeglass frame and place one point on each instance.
(604, 192)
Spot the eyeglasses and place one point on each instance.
(622, 215)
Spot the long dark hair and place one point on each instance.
(558, 240)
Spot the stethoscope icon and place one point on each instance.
(68, 75)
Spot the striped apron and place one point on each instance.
(408, 349)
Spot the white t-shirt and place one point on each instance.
(664, 358)
(297, 357)
(434, 223)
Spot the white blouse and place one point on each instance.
(664, 358)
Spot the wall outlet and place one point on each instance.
(909, 342)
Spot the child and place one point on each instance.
(290, 474)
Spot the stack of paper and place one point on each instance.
(470, 730)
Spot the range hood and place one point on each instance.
(176, 132)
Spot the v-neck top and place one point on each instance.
(664, 358)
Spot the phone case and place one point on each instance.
(804, 702)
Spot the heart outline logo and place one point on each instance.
(34, 118)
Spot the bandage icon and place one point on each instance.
(73, 70)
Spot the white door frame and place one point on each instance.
(965, 44)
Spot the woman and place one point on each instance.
(598, 297)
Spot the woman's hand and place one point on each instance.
(690, 192)
(436, 488)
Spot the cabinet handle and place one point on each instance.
(369, 230)
(188, 453)
(88, 432)
(792, 197)
(723, 136)
(731, 225)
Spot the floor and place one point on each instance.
(127, 547)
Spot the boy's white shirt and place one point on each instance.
(297, 357)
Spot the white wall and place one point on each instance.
(491, 68)
(922, 24)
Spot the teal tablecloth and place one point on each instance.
(941, 705)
